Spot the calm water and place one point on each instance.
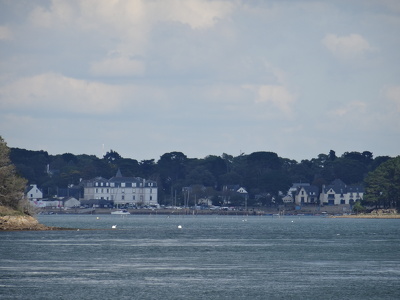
(149, 257)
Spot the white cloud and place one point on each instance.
(346, 47)
(278, 96)
(59, 13)
(352, 108)
(119, 66)
(198, 14)
(393, 94)
(58, 93)
(125, 27)
(5, 33)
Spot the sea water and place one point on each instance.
(202, 257)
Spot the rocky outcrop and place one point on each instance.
(384, 212)
(17, 223)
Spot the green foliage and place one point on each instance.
(11, 185)
(358, 208)
(112, 156)
(383, 184)
(260, 173)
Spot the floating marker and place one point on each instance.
(180, 226)
(114, 226)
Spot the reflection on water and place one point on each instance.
(149, 257)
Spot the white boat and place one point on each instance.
(120, 212)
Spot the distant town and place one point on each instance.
(258, 183)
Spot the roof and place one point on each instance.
(310, 189)
(339, 187)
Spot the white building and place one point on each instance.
(307, 194)
(70, 202)
(340, 193)
(34, 193)
(122, 190)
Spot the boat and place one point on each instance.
(120, 212)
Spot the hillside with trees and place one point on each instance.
(263, 174)
(11, 184)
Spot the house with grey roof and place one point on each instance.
(122, 190)
(340, 193)
(307, 194)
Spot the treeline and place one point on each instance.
(263, 174)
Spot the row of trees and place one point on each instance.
(263, 174)
(11, 185)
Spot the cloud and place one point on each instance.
(58, 93)
(393, 94)
(128, 28)
(278, 96)
(119, 66)
(346, 47)
(59, 13)
(352, 108)
(5, 33)
(198, 14)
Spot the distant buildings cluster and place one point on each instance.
(123, 191)
(100, 192)
(336, 193)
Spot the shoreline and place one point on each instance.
(369, 216)
(28, 223)
(25, 223)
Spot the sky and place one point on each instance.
(202, 77)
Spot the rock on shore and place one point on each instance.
(17, 223)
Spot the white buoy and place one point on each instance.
(180, 226)
(114, 226)
(97, 218)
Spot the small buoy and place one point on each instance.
(97, 218)
(292, 221)
(77, 229)
(180, 226)
(114, 226)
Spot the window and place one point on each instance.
(133, 191)
(151, 198)
(123, 197)
(133, 197)
(122, 184)
(123, 191)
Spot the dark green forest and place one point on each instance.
(263, 174)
